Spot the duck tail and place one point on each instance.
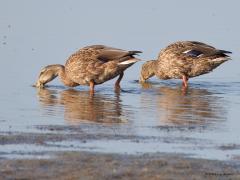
(134, 52)
(221, 59)
(130, 61)
(219, 56)
(224, 52)
(219, 52)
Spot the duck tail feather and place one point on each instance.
(129, 61)
(134, 52)
(224, 52)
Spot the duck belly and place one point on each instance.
(202, 68)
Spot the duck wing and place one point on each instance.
(107, 54)
(206, 53)
(198, 49)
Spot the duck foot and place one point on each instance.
(117, 83)
(91, 84)
(117, 90)
(184, 85)
(185, 81)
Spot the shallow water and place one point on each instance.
(149, 118)
(158, 116)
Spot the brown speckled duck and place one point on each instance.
(90, 65)
(184, 60)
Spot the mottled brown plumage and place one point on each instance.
(90, 65)
(184, 60)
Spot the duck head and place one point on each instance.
(148, 70)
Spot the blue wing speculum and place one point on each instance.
(193, 53)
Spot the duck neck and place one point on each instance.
(148, 70)
(64, 78)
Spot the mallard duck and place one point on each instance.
(184, 60)
(90, 66)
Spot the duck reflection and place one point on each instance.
(191, 106)
(47, 97)
(79, 105)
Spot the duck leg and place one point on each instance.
(185, 81)
(117, 84)
(91, 84)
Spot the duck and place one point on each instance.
(90, 65)
(184, 60)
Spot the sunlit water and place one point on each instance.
(149, 118)
(154, 117)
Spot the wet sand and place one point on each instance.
(78, 164)
(85, 165)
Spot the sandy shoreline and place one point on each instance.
(35, 156)
(85, 165)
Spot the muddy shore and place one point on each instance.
(84, 165)
(39, 158)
